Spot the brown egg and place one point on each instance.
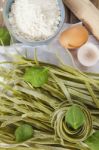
(74, 37)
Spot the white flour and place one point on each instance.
(35, 19)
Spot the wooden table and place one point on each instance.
(1, 8)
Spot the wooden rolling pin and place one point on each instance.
(87, 13)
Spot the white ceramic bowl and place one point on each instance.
(6, 11)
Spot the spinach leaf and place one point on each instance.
(37, 76)
(93, 141)
(23, 133)
(75, 118)
(4, 36)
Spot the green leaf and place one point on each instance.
(93, 141)
(23, 133)
(75, 118)
(4, 36)
(37, 76)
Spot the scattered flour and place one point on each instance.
(35, 20)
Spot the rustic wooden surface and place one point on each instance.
(70, 18)
(1, 9)
(96, 3)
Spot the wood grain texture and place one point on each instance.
(95, 2)
(1, 9)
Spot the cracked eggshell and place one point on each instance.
(88, 55)
(74, 37)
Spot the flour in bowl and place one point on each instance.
(35, 20)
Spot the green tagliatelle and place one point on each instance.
(64, 132)
(43, 103)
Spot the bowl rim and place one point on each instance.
(23, 40)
